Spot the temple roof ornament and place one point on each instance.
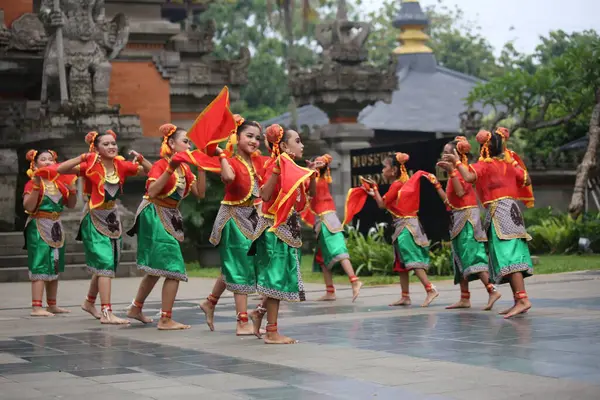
(341, 84)
(412, 22)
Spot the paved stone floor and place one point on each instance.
(365, 350)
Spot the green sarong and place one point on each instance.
(333, 249)
(158, 252)
(468, 255)
(508, 257)
(237, 267)
(44, 261)
(278, 269)
(102, 253)
(409, 253)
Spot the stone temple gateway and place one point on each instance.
(126, 65)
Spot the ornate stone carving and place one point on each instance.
(89, 43)
(196, 39)
(25, 34)
(470, 121)
(341, 85)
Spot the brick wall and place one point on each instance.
(13, 9)
(140, 89)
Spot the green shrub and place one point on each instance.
(556, 235)
(441, 259)
(370, 254)
(535, 216)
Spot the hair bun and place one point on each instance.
(90, 137)
(463, 146)
(402, 158)
(274, 133)
(111, 133)
(167, 129)
(239, 120)
(30, 156)
(483, 136)
(504, 132)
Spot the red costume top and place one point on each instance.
(159, 167)
(94, 174)
(61, 182)
(402, 199)
(468, 200)
(322, 202)
(497, 180)
(240, 190)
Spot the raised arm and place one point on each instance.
(266, 191)
(227, 172)
(157, 186)
(199, 188)
(374, 193)
(69, 167)
(30, 200)
(466, 173)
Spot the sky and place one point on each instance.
(530, 18)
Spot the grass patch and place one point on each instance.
(549, 264)
(556, 264)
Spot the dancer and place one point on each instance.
(278, 248)
(104, 173)
(468, 237)
(236, 224)
(411, 246)
(499, 179)
(44, 200)
(159, 226)
(331, 245)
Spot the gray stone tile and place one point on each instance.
(6, 358)
(285, 392)
(90, 373)
(123, 378)
(173, 392)
(232, 382)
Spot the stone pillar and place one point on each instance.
(9, 168)
(342, 85)
(341, 139)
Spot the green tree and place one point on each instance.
(565, 87)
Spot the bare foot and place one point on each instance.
(462, 303)
(431, 295)
(356, 289)
(244, 329)
(276, 338)
(257, 317)
(135, 313)
(494, 297)
(503, 312)
(167, 324)
(110, 319)
(209, 313)
(40, 312)
(521, 307)
(57, 310)
(90, 309)
(327, 297)
(404, 301)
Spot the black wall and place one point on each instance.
(423, 156)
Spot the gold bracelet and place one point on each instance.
(276, 170)
(222, 155)
(35, 187)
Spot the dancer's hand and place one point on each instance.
(446, 166)
(136, 156)
(451, 158)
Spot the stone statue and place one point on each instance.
(25, 34)
(89, 43)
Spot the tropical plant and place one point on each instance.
(370, 253)
(556, 235)
(440, 255)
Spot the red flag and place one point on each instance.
(200, 160)
(292, 178)
(214, 124)
(525, 192)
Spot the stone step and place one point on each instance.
(70, 258)
(11, 239)
(10, 250)
(75, 271)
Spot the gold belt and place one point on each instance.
(166, 202)
(53, 215)
(108, 205)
